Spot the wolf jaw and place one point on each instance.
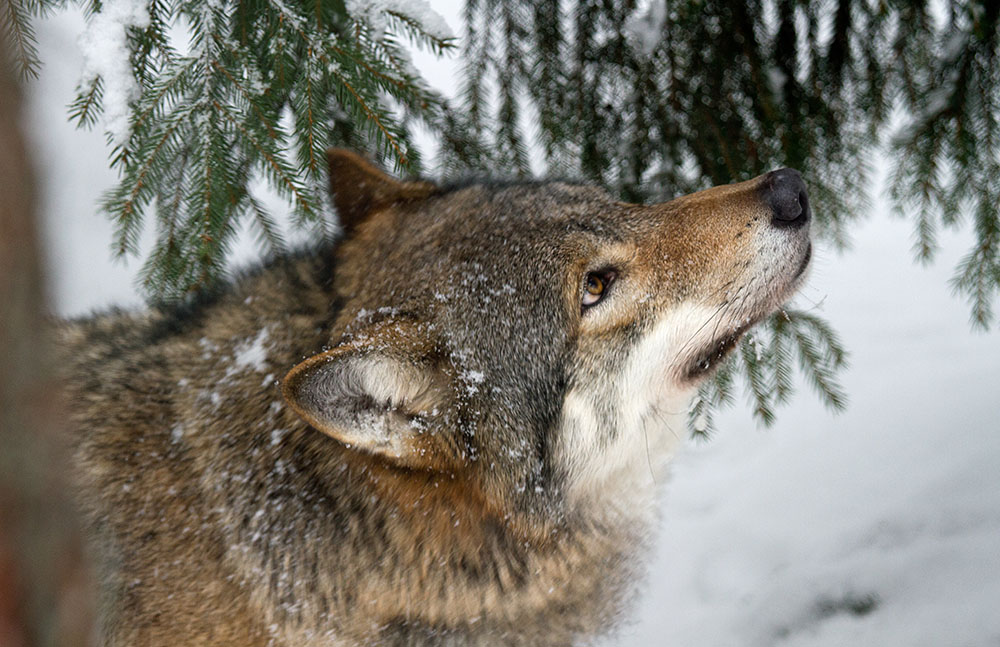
(714, 352)
(620, 456)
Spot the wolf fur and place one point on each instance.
(418, 435)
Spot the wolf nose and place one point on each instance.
(786, 193)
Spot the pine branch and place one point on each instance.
(275, 166)
(412, 28)
(127, 211)
(17, 37)
(753, 366)
(370, 116)
(267, 229)
(86, 106)
(203, 122)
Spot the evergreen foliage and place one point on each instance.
(261, 89)
(948, 155)
(17, 36)
(767, 360)
(673, 96)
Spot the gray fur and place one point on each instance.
(223, 518)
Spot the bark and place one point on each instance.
(45, 593)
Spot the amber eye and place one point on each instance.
(595, 286)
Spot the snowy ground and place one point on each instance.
(877, 527)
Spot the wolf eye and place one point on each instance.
(595, 286)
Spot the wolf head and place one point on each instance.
(541, 341)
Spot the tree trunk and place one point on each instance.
(46, 597)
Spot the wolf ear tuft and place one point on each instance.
(374, 396)
(360, 189)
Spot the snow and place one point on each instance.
(769, 535)
(375, 13)
(252, 353)
(879, 526)
(277, 435)
(104, 45)
(644, 28)
(955, 45)
(471, 379)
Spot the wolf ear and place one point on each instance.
(377, 395)
(359, 189)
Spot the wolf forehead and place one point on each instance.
(541, 221)
(509, 249)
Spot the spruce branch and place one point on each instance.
(947, 153)
(196, 122)
(126, 210)
(766, 360)
(268, 233)
(17, 36)
(275, 166)
(85, 107)
(754, 365)
(646, 112)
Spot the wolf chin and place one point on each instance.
(443, 429)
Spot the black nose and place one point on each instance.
(785, 191)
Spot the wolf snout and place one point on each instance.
(785, 192)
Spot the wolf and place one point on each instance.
(445, 428)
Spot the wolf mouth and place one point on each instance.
(713, 353)
(805, 263)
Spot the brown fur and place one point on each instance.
(224, 517)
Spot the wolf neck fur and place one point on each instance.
(492, 554)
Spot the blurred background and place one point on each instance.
(863, 510)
